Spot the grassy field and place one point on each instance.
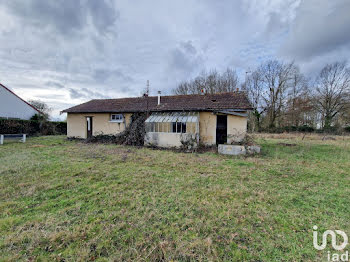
(69, 201)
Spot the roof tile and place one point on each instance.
(231, 100)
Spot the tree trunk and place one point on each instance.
(327, 121)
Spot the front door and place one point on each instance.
(89, 126)
(221, 129)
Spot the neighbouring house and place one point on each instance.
(209, 119)
(14, 107)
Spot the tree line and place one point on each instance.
(283, 97)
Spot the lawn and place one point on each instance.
(65, 200)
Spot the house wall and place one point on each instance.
(13, 107)
(207, 128)
(76, 124)
(236, 128)
(162, 139)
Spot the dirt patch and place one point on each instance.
(33, 146)
(328, 138)
(286, 144)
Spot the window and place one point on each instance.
(178, 127)
(117, 118)
(183, 127)
(174, 122)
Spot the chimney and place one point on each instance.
(159, 97)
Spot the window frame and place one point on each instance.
(120, 120)
(178, 127)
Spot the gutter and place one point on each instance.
(233, 113)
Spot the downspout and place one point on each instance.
(197, 130)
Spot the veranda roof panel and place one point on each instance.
(183, 117)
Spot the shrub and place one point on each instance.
(105, 139)
(331, 130)
(347, 129)
(188, 142)
(133, 135)
(32, 127)
(248, 140)
(290, 128)
(306, 128)
(279, 130)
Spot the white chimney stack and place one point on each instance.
(159, 97)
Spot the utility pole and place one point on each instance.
(246, 78)
(147, 88)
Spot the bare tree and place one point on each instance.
(345, 116)
(299, 104)
(42, 107)
(213, 82)
(282, 96)
(275, 80)
(228, 82)
(254, 90)
(182, 89)
(332, 91)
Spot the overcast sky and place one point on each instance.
(66, 52)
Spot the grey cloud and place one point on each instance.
(93, 94)
(101, 75)
(65, 16)
(84, 93)
(85, 49)
(275, 24)
(74, 94)
(188, 47)
(180, 60)
(319, 27)
(54, 84)
(53, 97)
(103, 14)
(184, 58)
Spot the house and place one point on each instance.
(208, 119)
(14, 107)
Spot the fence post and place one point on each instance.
(24, 138)
(1, 139)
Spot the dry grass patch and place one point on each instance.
(70, 201)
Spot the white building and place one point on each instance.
(12, 106)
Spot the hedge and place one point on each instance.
(32, 127)
(304, 128)
(307, 129)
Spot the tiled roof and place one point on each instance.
(231, 100)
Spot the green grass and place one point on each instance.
(69, 201)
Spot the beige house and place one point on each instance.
(208, 119)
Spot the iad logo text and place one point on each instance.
(338, 247)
